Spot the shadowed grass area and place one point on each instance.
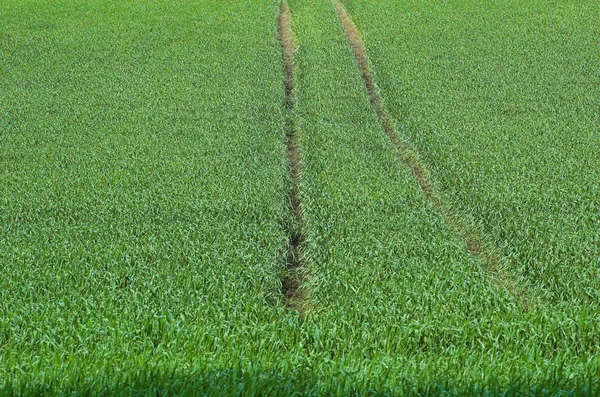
(237, 382)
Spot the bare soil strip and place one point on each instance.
(292, 279)
(474, 244)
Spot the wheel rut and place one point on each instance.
(293, 277)
(473, 242)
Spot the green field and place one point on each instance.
(156, 240)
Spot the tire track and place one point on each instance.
(293, 278)
(473, 242)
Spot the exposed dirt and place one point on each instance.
(473, 244)
(292, 279)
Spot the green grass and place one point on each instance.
(396, 297)
(144, 214)
(500, 101)
(142, 190)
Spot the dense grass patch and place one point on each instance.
(142, 189)
(500, 99)
(396, 297)
(144, 201)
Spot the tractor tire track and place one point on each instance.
(293, 278)
(472, 241)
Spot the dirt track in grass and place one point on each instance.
(473, 243)
(293, 278)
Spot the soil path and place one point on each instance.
(293, 276)
(473, 243)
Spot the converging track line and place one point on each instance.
(473, 243)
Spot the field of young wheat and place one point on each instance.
(300, 197)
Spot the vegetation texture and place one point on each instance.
(252, 198)
(500, 99)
